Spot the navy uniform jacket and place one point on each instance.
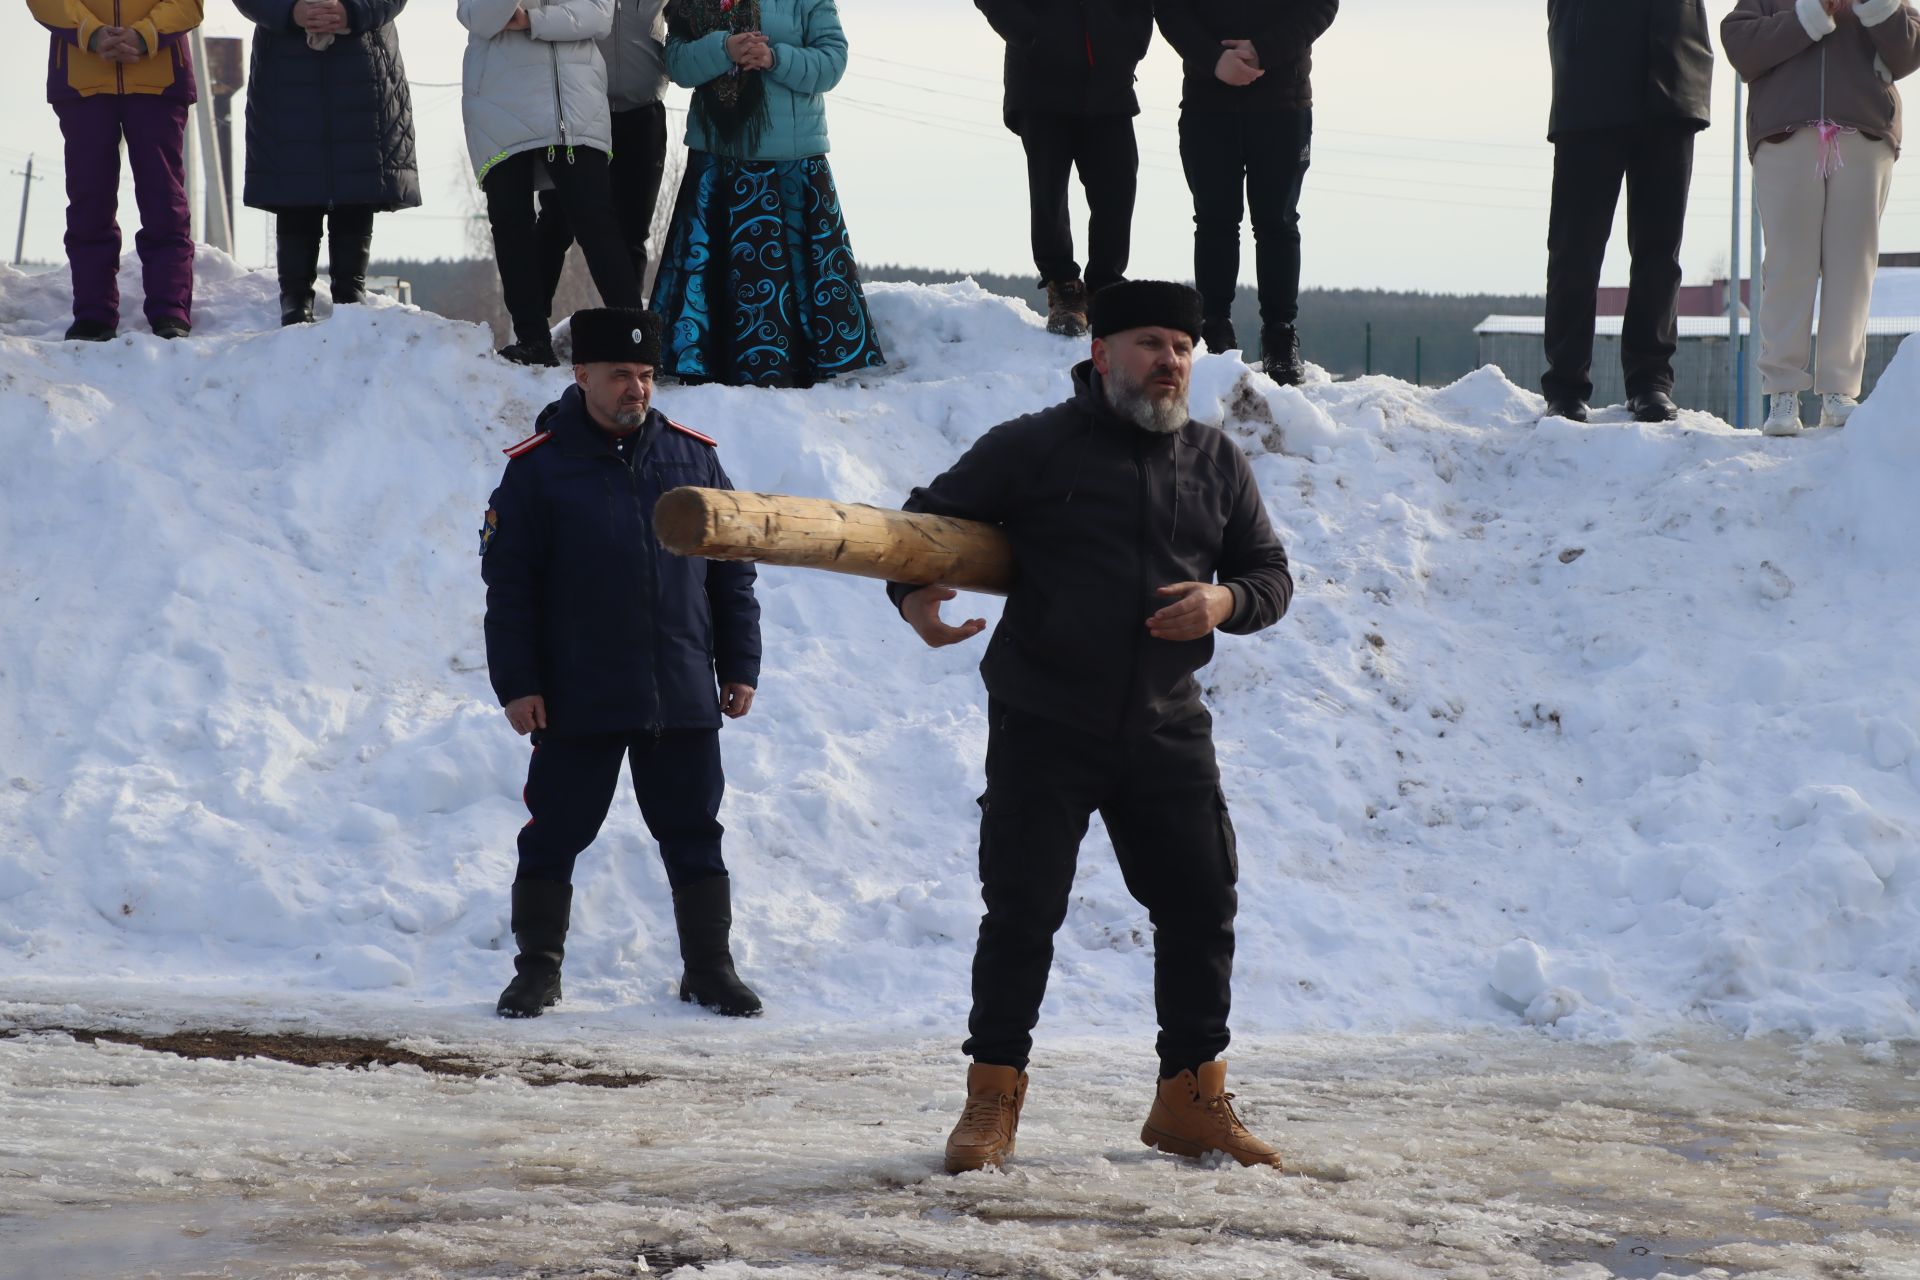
(585, 608)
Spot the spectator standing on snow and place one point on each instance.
(534, 100)
(1246, 130)
(1824, 130)
(1632, 80)
(120, 69)
(329, 138)
(757, 283)
(1069, 97)
(603, 646)
(635, 58)
(1122, 514)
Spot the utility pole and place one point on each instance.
(218, 226)
(1754, 249)
(226, 74)
(26, 190)
(1736, 393)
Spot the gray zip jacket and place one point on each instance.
(1786, 49)
(545, 87)
(636, 55)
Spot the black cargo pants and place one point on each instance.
(1158, 792)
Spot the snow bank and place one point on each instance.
(1601, 727)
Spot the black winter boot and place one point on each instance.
(1219, 336)
(298, 259)
(1280, 354)
(537, 352)
(703, 911)
(347, 258)
(1066, 308)
(541, 910)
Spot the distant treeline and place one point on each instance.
(1333, 322)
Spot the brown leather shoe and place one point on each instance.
(1193, 1114)
(984, 1136)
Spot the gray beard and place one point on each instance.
(1131, 401)
(630, 419)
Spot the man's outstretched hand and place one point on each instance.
(1201, 607)
(921, 609)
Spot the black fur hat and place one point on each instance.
(1138, 304)
(616, 335)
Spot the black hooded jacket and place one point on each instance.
(1618, 64)
(1102, 514)
(1073, 57)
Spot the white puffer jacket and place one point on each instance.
(542, 87)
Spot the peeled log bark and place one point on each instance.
(815, 533)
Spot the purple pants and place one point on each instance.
(156, 135)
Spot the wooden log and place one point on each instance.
(844, 537)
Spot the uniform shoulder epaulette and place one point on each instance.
(528, 445)
(701, 436)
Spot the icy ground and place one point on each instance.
(779, 1157)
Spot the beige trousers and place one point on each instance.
(1822, 235)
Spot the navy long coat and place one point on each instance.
(584, 606)
(329, 126)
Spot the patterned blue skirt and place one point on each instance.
(757, 284)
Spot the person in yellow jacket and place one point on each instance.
(121, 69)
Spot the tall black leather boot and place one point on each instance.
(297, 257)
(347, 258)
(541, 911)
(703, 911)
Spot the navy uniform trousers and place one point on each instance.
(677, 779)
(1158, 791)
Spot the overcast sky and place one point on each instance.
(1431, 170)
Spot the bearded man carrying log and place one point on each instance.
(1136, 534)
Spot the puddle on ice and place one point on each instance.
(1468, 1158)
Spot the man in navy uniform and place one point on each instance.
(603, 646)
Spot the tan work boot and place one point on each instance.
(1193, 1114)
(984, 1136)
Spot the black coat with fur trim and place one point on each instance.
(586, 608)
(1101, 514)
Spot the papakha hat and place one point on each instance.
(1139, 304)
(616, 335)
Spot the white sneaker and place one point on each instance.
(1783, 414)
(1836, 409)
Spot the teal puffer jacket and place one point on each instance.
(809, 57)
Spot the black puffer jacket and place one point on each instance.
(584, 606)
(1282, 31)
(329, 126)
(1622, 63)
(1101, 515)
(1075, 57)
